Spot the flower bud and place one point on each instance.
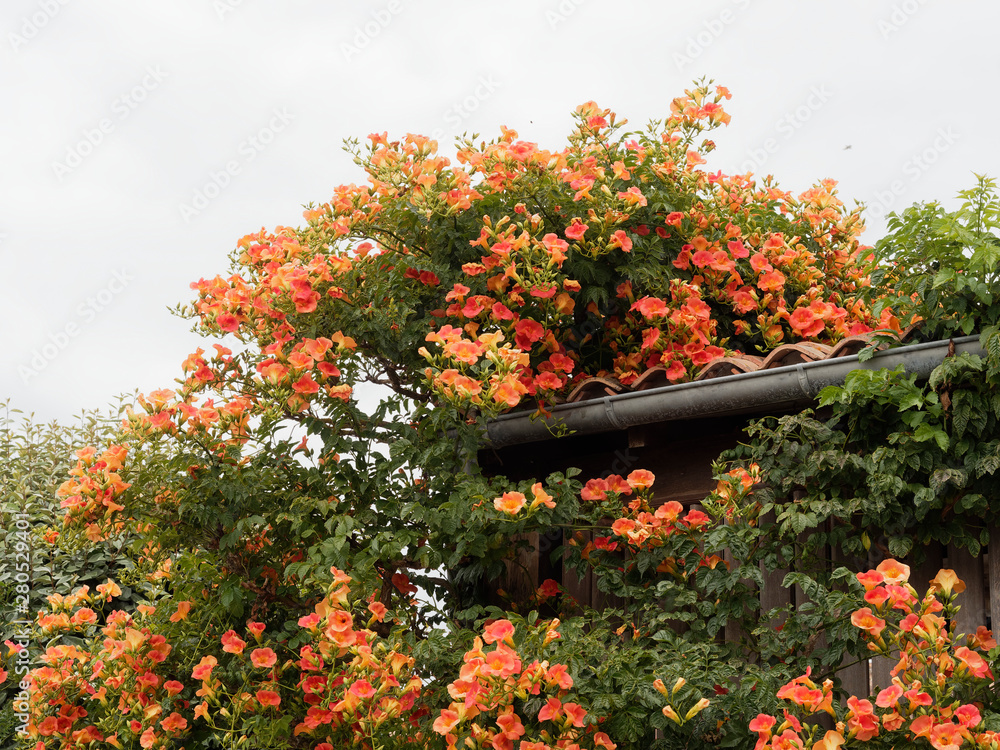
(696, 709)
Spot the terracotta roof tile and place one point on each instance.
(782, 356)
(595, 388)
(654, 377)
(720, 368)
(850, 346)
(793, 354)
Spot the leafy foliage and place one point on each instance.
(36, 562)
(915, 460)
(310, 556)
(941, 268)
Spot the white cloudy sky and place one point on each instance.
(118, 112)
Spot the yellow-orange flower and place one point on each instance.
(109, 590)
(541, 496)
(263, 657)
(232, 643)
(894, 571)
(174, 723)
(640, 479)
(499, 630)
(203, 669)
(446, 720)
(510, 502)
(865, 619)
(268, 698)
(182, 611)
(832, 740)
(947, 582)
(84, 616)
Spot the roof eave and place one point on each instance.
(757, 392)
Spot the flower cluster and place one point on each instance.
(121, 675)
(124, 684)
(284, 279)
(935, 683)
(91, 497)
(513, 502)
(344, 684)
(165, 412)
(483, 371)
(733, 496)
(641, 527)
(489, 699)
(537, 301)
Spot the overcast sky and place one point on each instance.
(140, 140)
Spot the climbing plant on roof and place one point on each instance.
(321, 562)
(519, 270)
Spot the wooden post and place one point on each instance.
(773, 593)
(732, 633)
(522, 575)
(584, 589)
(576, 586)
(972, 601)
(993, 552)
(854, 679)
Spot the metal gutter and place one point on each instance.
(754, 392)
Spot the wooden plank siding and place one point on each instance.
(855, 675)
(680, 454)
(978, 602)
(974, 600)
(993, 579)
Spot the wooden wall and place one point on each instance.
(680, 454)
(980, 602)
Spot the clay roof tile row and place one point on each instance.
(786, 354)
